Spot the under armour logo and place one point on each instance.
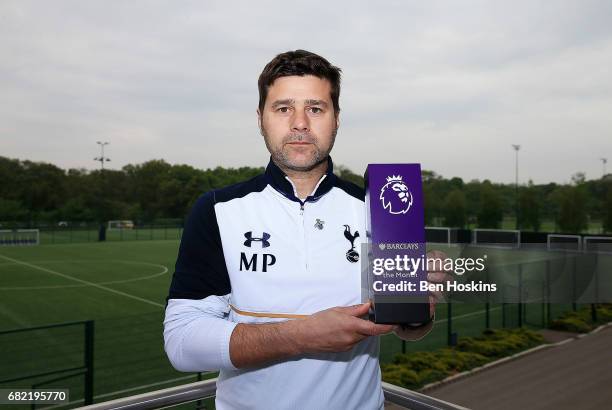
(264, 239)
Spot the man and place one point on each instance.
(263, 288)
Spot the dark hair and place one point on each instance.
(299, 62)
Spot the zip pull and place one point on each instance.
(301, 208)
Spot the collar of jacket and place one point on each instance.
(280, 182)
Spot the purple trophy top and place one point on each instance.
(395, 197)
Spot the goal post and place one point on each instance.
(506, 238)
(440, 234)
(561, 242)
(599, 244)
(19, 237)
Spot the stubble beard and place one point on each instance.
(282, 159)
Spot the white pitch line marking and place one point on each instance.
(478, 312)
(112, 282)
(95, 285)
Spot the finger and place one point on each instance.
(385, 330)
(372, 329)
(355, 310)
(379, 330)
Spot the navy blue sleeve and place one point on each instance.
(200, 269)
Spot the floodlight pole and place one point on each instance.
(102, 159)
(604, 161)
(516, 196)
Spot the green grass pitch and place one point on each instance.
(122, 285)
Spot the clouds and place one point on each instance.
(448, 84)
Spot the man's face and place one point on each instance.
(298, 121)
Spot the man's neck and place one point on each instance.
(305, 181)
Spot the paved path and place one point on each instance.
(575, 375)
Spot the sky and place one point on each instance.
(448, 84)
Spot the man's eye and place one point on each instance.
(283, 109)
(316, 110)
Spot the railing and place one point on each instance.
(85, 370)
(205, 389)
(90, 233)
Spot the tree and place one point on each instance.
(431, 196)
(144, 181)
(573, 216)
(432, 204)
(490, 212)
(473, 192)
(43, 188)
(35, 192)
(455, 212)
(11, 173)
(607, 222)
(529, 207)
(456, 183)
(12, 210)
(345, 173)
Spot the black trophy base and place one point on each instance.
(398, 313)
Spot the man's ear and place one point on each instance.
(259, 120)
(337, 121)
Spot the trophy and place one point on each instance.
(394, 274)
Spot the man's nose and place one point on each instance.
(299, 121)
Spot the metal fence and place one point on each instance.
(195, 392)
(77, 234)
(40, 369)
(125, 356)
(538, 292)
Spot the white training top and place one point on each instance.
(257, 247)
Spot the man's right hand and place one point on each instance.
(336, 329)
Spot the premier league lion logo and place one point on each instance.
(395, 196)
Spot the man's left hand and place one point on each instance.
(435, 275)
